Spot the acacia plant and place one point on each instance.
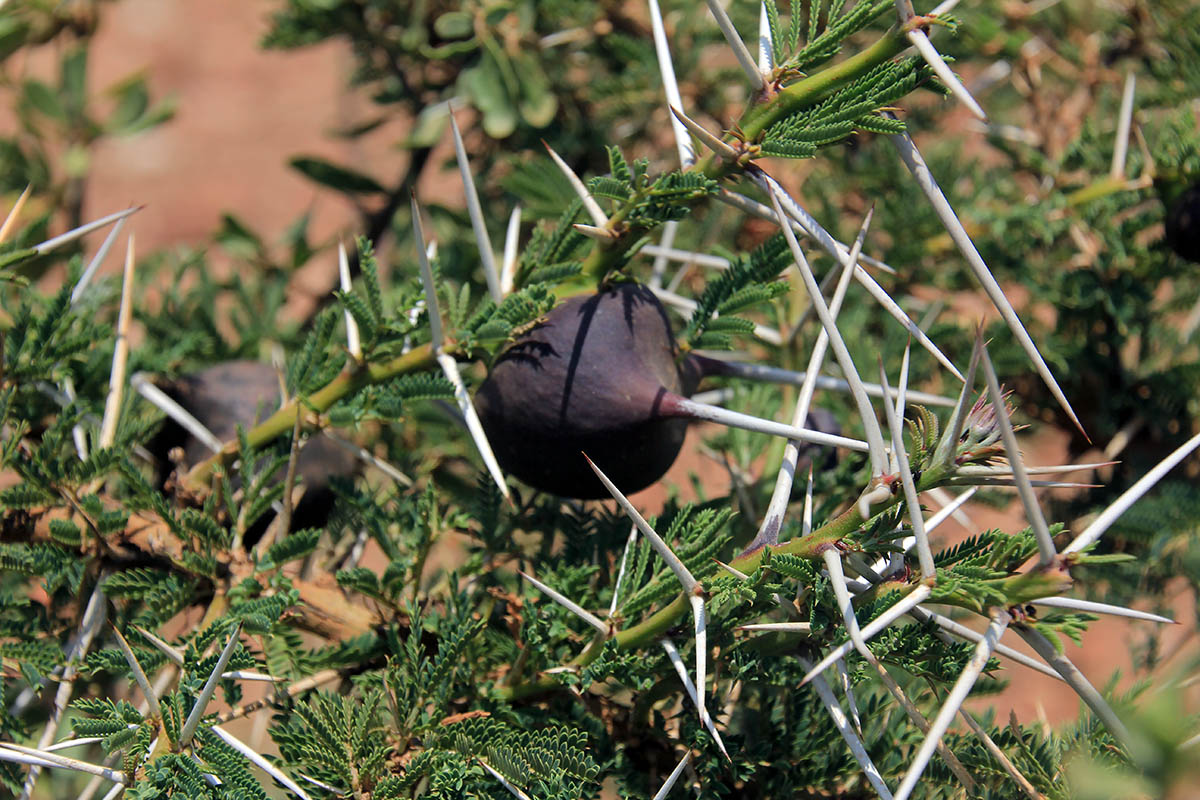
(442, 630)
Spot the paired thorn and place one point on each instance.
(762, 372)
(93, 266)
(487, 258)
(735, 419)
(629, 543)
(513, 789)
(41, 758)
(139, 675)
(685, 304)
(669, 783)
(934, 59)
(163, 402)
(766, 46)
(843, 727)
(1124, 122)
(1090, 607)
(257, 760)
(768, 531)
(697, 700)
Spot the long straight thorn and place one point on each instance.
(669, 783)
(837, 579)
(165, 403)
(700, 617)
(911, 497)
(745, 60)
(894, 612)
(920, 170)
(766, 46)
(486, 256)
(762, 372)
(1033, 511)
(83, 230)
(431, 301)
(1090, 607)
(707, 139)
(962, 687)
(629, 543)
(686, 407)
(946, 449)
(257, 759)
(843, 727)
(1124, 121)
(508, 267)
(934, 59)
(120, 360)
(139, 675)
(589, 203)
(1102, 523)
(353, 339)
(567, 603)
(85, 280)
(210, 686)
(14, 214)
(685, 577)
(41, 758)
(666, 68)
(1075, 679)
(865, 410)
(677, 662)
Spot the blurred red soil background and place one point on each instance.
(242, 112)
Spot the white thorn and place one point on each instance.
(685, 304)
(681, 671)
(260, 762)
(629, 543)
(911, 497)
(1090, 607)
(139, 675)
(837, 579)
(701, 625)
(893, 308)
(666, 68)
(668, 253)
(963, 632)
(872, 628)
(920, 171)
(762, 372)
(745, 60)
(865, 410)
(367, 457)
(592, 232)
(1130, 496)
(83, 230)
(505, 782)
(1071, 674)
(736, 419)
(766, 48)
(508, 267)
(778, 627)
(962, 687)
(85, 279)
(159, 399)
(474, 426)
(210, 686)
(589, 203)
(486, 256)
(431, 301)
(709, 140)
(669, 783)
(40, 758)
(1033, 511)
(353, 340)
(1121, 146)
(120, 360)
(567, 603)
(14, 213)
(934, 59)
(662, 253)
(682, 573)
(843, 727)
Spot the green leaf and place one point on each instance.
(342, 179)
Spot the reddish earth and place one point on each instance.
(243, 112)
